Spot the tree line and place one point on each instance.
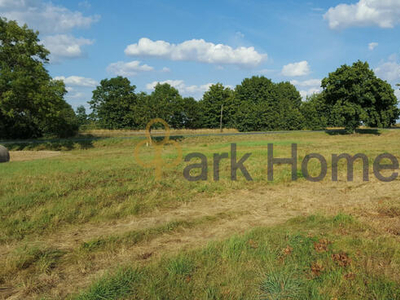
(32, 104)
(351, 96)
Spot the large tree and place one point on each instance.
(260, 104)
(166, 103)
(256, 105)
(355, 96)
(31, 103)
(211, 104)
(114, 103)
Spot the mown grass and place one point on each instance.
(306, 258)
(136, 236)
(104, 182)
(30, 261)
(101, 183)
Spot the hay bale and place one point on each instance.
(4, 154)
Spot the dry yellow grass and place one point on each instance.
(125, 133)
(32, 155)
(261, 207)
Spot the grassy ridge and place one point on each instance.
(307, 258)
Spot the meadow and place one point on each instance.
(80, 219)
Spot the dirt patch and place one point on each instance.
(32, 155)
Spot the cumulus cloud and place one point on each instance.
(77, 81)
(397, 93)
(382, 13)
(128, 69)
(75, 95)
(45, 16)
(306, 83)
(372, 46)
(53, 22)
(309, 92)
(192, 90)
(197, 50)
(65, 46)
(389, 71)
(308, 87)
(296, 69)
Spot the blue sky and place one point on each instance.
(192, 44)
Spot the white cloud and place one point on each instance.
(397, 93)
(307, 83)
(296, 69)
(77, 81)
(53, 22)
(372, 46)
(128, 69)
(166, 70)
(192, 90)
(382, 13)
(389, 71)
(309, 92)
(65, 46)
(308, 87)
(197, 50)
(76, 95)
(45, 16)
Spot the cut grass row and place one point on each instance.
(28, 262)
(307, 258)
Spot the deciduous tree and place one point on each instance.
(31, 103)
(355, 96)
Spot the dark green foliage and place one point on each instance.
(352, 96)
(166, 103)
(216, 97)
(260, 104)
(256, 105)
(31, 103)
(116, 106)
(193, 113)
(355, 96)
(289, 106)
(114, 103)
(81, 115)
(315, 112)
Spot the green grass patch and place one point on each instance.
(306, 258)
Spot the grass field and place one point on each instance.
(82, 220)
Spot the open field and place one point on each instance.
(83, 220)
